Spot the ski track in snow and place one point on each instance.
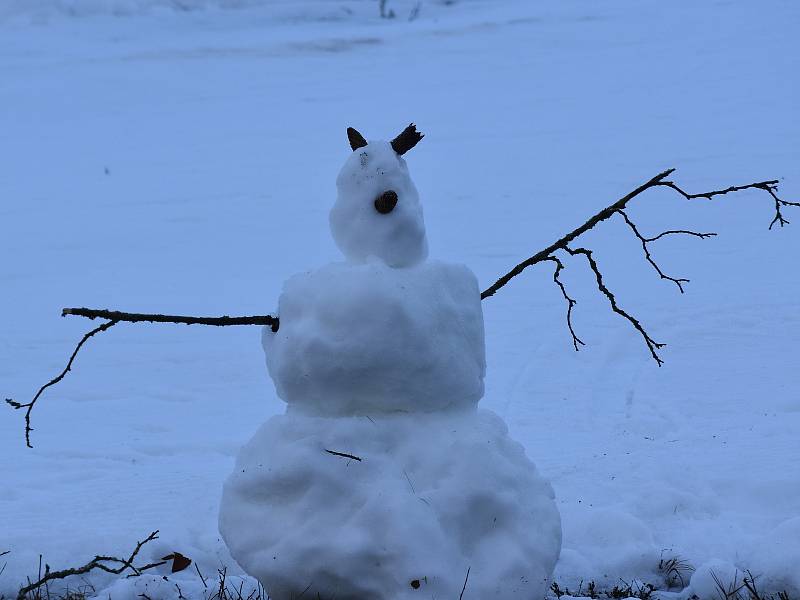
(185, 163)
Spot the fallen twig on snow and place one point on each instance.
(98, 562)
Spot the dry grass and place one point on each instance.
(675, 571)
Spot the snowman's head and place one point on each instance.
(377, 211)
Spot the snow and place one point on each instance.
(432, 496)
(359, 229)
(366, 339)
(188, 584)
(776, 555)
(385, 356)
(715, 578)
(286, 11)
(634, 550)
(184, 162)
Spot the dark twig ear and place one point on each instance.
(356, 139)
(409, 138)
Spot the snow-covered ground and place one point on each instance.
(183, 161)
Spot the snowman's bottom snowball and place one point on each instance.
(432, 496)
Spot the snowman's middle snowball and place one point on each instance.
(367, 338)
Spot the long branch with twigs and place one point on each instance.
(548, 254)
(102, 563)
(618, 208)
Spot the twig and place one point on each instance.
(679, 231)
(203, 579)
(570, 301)
(651, 344)
(645, 241)
(146, 567)
(408, 479)
(771, 187)
(114, 315)
(466, 579)
(55, 380)
(98, 562)
(343, 454)
(303, 593)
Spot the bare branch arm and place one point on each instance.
(115, 317)
(562, 244)
(770, 187)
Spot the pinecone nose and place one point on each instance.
(386, 202)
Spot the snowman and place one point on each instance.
(384, 480)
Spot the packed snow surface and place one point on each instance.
(397, 238)
(368, 338)
(183, 162)
(430, 496)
